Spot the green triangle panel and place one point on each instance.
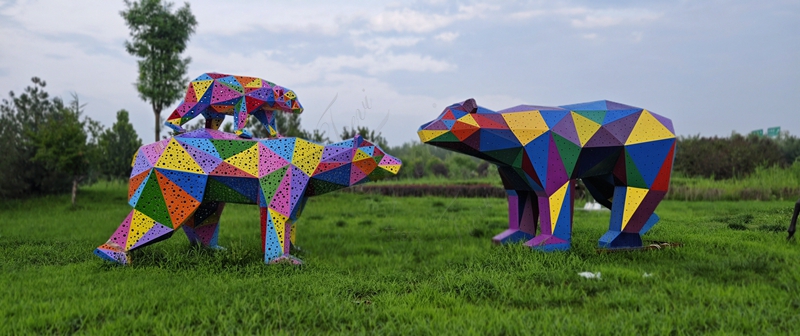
(217, 191)
(319, 187)
(596, 116)
(228, 148)
(151, 202)
(508, 156)
(568, 151)
(447, 137)
(271, 182)
(632, 173)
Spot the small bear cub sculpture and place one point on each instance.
(622, 153)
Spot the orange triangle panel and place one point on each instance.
(179, 203)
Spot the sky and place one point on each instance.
(713, 67)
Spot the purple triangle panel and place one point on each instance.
(556, 174)
(206, 161)
(331, 151)
(603, 138)
(140, 165)
(154, 233)
(612, 116)
(520, 108)
(664, 121)
(622, 128)
(617, 106)
(566, 129)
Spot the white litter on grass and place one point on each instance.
(593, 206)
(590, 275)
(647, 275)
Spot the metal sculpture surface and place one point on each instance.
(215, 95)
(186, 180)
(622, 153)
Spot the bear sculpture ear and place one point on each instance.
(470, 105)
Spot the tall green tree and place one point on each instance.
(118, 144)
(22, 116)
(67, 144)
(158, 37)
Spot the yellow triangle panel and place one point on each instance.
(469, 120)
(428, 135)
(556, 201)
(647, 129)
(279, 221)
(526, 126)
(200, 87)
(256, 83)
(140, 224)
(307, 155)
(176, 158)
(247, 160)
(633, 199)
(585, 127)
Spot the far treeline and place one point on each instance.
(50, 147)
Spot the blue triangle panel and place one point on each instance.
(612, 116)
(138, 192)
(345, 143)
(340, 176)
(248, 187)
(230, 80)
(553, 117)
(193, 184)
(283, 147)
(538, 149)
(564, 229)
(458, 114)
(203, 77)
(204, 145)
(370, 150)
(497, 139)
(649, 157)
(449, 123)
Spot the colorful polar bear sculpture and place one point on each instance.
(186, 180)
(215, 95)
(622, 153)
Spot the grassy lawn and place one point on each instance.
(405, 266)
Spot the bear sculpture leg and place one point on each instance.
(203, 227)
(523, 210)
(276, 237)
(136, 231)
(631, 216)
(555, 218)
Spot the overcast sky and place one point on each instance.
(712, 66)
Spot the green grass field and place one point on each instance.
(405, 266)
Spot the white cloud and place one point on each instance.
(380, 45)
(608, 18)
(583, 17)
(447, 36)
(375, 64)
(409, 20)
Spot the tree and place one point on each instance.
(158, 37)
(118, 144)
(67, 144)
(366, 133)
(22, 116)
